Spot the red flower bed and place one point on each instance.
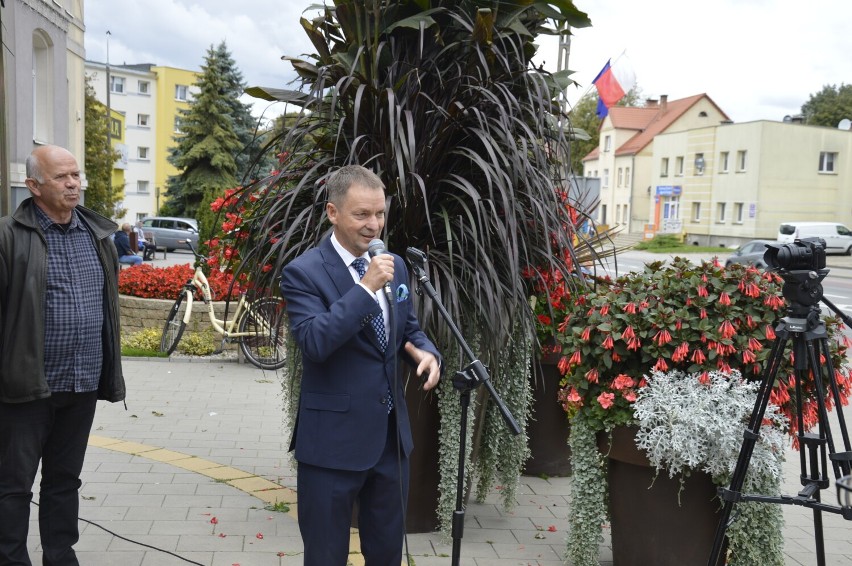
(151, 282)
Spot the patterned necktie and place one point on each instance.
(377, 321)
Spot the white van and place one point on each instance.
(838, 238)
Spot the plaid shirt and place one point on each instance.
(74, 313)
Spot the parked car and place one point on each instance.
(750, 253)
(170, 232)
(838, 238)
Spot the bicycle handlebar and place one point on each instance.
(192, 249)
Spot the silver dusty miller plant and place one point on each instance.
(690, 422)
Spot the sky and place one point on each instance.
(757, 59)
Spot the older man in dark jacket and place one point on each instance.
(59, 352)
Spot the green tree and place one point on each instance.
(829, 106)
(586, 124)
(100, 158)
(253, 159)
(440, 98)
(205, 154)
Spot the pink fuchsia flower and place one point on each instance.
(662, 337)
(726, 329)
(607, 343)
(724, 299)
(661, 365)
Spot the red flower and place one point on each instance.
(592, 375)
(606, 400)
(663, 337)
(724, 299)
(698, 357)
(622, 381)
(607, 343)
(727, 330)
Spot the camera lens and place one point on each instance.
(808, 253)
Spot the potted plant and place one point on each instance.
(691, 426)
(693, 318)
(442, 100)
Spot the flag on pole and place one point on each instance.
(613, 82)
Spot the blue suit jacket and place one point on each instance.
(342, 419)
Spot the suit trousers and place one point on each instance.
(326, 498)
(54, 431)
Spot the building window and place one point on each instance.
(142, 187)
(607, 143)
(42, 73)
(116, 84)
(720, 212)
(620, 171)
(699, 164)
(741, 161)
(617, 213)
(679, 166)
(627, 177)
(603, 214)
(142, 152)
(827, 159)
(624, 214)
(723, 162)
(181, 92)
(144, 87)
(664, 167)
(177, 125)
(738, 212)
(696, 212)
(605, 180)
(142, 120)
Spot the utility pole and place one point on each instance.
(5, 184)
(108, 112)
(562, 61)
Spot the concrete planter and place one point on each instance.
(138, 313)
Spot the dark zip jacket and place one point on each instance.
(23, 283)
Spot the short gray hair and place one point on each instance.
(34, 168)
(339, 182)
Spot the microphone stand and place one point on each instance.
(465, 380)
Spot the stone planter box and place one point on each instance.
(138, 313)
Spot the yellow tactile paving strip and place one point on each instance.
(267, 491)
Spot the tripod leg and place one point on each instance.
(750, 435)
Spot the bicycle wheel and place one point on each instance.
(264, 323)
(175, 325)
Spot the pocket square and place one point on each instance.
(401, 293)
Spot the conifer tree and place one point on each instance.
(206, 150)
(100, 157)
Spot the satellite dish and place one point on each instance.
(845, 124)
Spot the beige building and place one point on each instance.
(624, 158)
(727, 184)
(43, 92)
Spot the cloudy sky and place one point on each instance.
(757, 59)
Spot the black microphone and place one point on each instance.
(375, 248)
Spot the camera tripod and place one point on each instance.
(807, 331)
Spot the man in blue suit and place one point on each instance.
(352, 435)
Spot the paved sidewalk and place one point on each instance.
(200, 453)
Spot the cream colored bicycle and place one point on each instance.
(258, 325)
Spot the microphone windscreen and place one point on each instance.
(376, 247)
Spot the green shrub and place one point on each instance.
(145, 339)
(198, 343)
(660, 241)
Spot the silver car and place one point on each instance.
(171, 232)
(750, 253)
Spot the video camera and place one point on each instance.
(805, 254)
